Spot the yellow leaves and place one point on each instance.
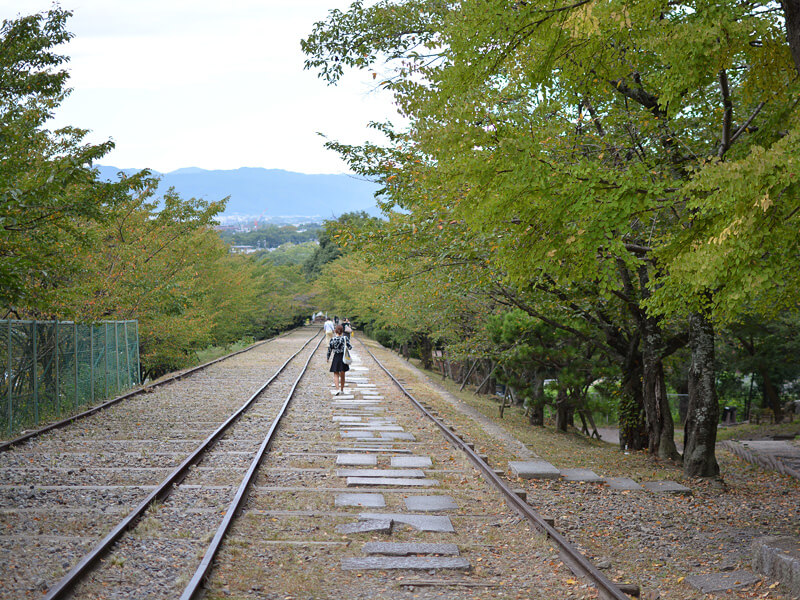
(552, 253)
(571, 239)
(764, 203)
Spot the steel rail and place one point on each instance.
(196, 584)
(139, 390)
(571, 556)
(162, 491)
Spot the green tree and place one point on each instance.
(580, 135)
(330, 248)
(48, 189)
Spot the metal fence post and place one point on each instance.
(35, 366)
(127, 355)
(10, 375)
(138, 365)
(57, 367)
(116, 350)
(91, 358)
(105, 356)
(75, 347)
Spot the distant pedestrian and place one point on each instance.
(338, 346)
(328, 327)
(347, 328)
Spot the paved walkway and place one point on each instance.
(778, 455)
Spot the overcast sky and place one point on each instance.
(212, 84)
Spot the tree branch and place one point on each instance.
(727, 115)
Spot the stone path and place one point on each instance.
(541, 469)
(777, 455)
(372, 464)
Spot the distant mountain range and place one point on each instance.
(256, 192)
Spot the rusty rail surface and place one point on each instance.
(570, 555)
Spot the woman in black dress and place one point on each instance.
(337, 347)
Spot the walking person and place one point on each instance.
(328, 327)
(338, 345)
(347, 328)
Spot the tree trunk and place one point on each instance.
(660, 428)
(632, 424)
(771, 397)
(486, 380)
(563, 412)
(791, 13)
(466, 377)
(425, 352)
(700, 431)
(537, 401)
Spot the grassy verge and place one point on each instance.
(207, 354)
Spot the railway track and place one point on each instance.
(362, 495)
(68, 493)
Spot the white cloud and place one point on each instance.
(180, 83)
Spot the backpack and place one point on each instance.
(347, 328)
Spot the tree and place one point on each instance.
(579, 135)
(48, 189)
(767, 350)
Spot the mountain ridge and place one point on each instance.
(256, 191)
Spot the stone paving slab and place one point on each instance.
(370, 385)
(418, 462)
(430, 503)
(666, 487)
(438, 524)
(368, 427)
(370, 526)
(534, 469)
(356, 460)
(393, 435)
(373, 449)
(347, 419)
(396, 481)
(404, 549)
(380, 473)
(581, 475)
(623, 483)
(413, 563)
(371, 397)
(351, 401)
(718, 582)
(357, 434)
(365, 500)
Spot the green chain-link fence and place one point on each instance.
(51, 368)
